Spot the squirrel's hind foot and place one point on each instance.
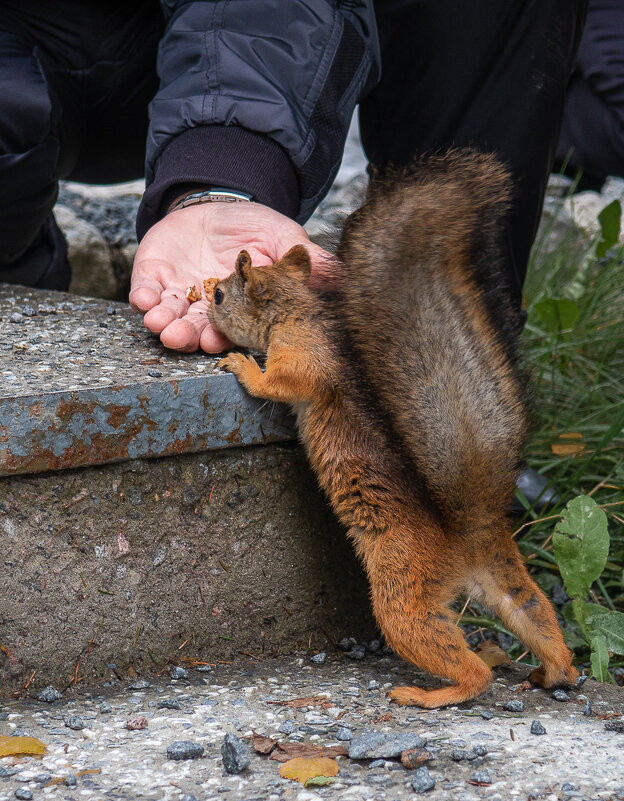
(431, 699)
(551, 676)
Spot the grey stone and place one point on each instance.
(377, 763)
(287, 727)
(344, 734)
(537, 727)
(184, 749)
(373, 685)
(587, 709)
(105, 708)
(461, 756)
(422, 780)
(24, 794)
(375, 745)
(140, 684)
(234, 754)
(569, 788)
(487, 715)
(480, 750)
(49, 695)
(615, 725)
(515, 705)
(347, 643)
(75, 722)
(29, 311)
(179, 673)
(168, 703)
(481, 777)
(189, 797)
(560, 695)
(16, 317)
(71, 780)
(320, 658)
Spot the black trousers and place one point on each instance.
(78, 78)
(489, 73)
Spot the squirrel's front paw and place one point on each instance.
(233, 363)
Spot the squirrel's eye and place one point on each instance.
(218, 296)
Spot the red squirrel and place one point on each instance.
(410, 404)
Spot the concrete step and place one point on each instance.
(110, 555)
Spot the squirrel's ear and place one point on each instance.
(296, 263)
(243, 265)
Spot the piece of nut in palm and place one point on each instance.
(192, 294)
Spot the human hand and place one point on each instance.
(199, 242)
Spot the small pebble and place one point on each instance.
(154, 373)
(415, 757)
(179, 673)
(461, 756)
(569, 788)
(347, 643)
(49, 695)
(287, 727)
(24, 794)
(375, 745)
(357, 652)
(136, 724)
(189, 797)
(344, 734)
(537, 728)
(16, 317)
(487, 715)
(105, 708)
(111, 310)
(514, 705)
(481, 777)
(581, 681)
(320, 658)
(373, 685)
(71, 780)
(422, 780)
(184, 749)
(587, 709)
(29, 311)
(374, 646)
(76, 723)
(480, 750)
(560, 695)
(168, 703)
(615, 725)
(203, 669)
(234, 754)
(141, 684)
(377, 763)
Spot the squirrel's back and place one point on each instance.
(433, 328)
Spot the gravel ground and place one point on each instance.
(127, 740)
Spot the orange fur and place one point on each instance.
(409, 406)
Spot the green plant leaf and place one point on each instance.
(610, 626)
(556, 314)
(319, 781)
(581, 545)
(610, 219)
(599, 657)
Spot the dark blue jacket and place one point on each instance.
(256, 95)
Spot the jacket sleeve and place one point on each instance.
(256, 95)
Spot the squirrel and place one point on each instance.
(404, 379)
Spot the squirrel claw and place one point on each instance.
(231, 362)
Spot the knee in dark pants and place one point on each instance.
(30, 250)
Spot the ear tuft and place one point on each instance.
(296, 263)
(243, 265)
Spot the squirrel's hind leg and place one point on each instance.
(411, 585)
(511, 593)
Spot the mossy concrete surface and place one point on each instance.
(199, 557)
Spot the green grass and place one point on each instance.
(573, 346)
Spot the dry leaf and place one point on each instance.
(20, 746)
(136, 724)
(286, 751)
(261, 744)
(384, 718)
(568, 448)
(415, 757)
(302, 769)
(299, 703)
(492, 654)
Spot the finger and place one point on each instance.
(173, 305)
(145, 293)
(213, 341)
(184, 334)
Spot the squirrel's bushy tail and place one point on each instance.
(433, 327)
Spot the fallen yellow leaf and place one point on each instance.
(568, 448)
(20, 746)
(303, 769)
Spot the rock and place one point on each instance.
(168, 703)
(16, 317)
(415, 757)
(459, 755)
(76, 723)
(615, 725)
(357, 652)
(481, 777)
(581, 680)
(537, 728)
(320, 658)
(105, 708)
(377, 745)
(344, 734)
(71, 780)
(29, 311)
(377, 763)
(347, 643)
(569, 788)
(234, 754)
(24, 794)
(584, 208)
(89, 255)
(560, 695)
(374, 646)
(184, 749)
(487, 715)
(49, 695)
(141, 684)
(422, 780)
(373, 685)
(515, 705)
(587, 709)
(179, 673)
(287, 727)
(480, 750)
